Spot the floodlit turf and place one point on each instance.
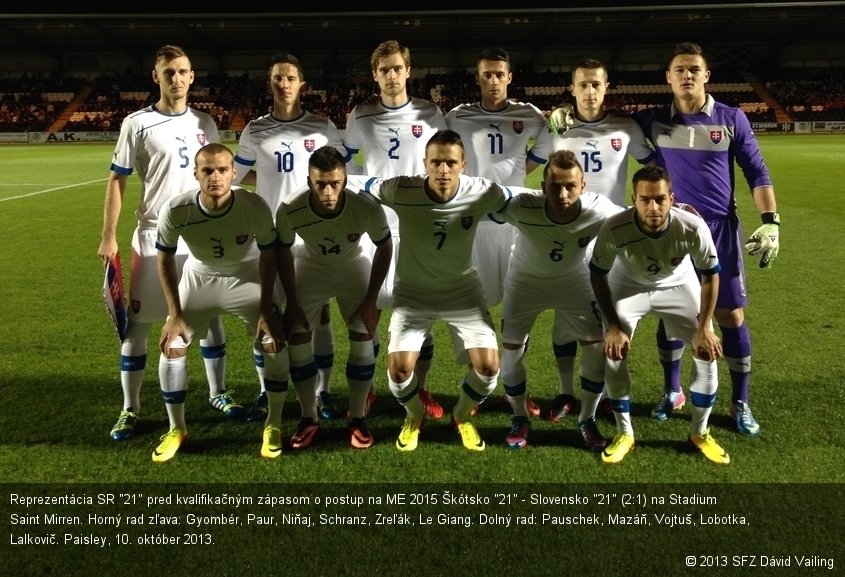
(60, 391)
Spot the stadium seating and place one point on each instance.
(32, 103)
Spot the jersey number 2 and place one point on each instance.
(391, 152)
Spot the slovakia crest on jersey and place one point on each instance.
(583, 241)
(616, 143)
(202, 139)
(518, 126)
(715, 136)
(241, 238)
(416, 130)
(309, 144)
(676, 260)
(353, 236)
(466, 222)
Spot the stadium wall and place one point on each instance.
(70, 137)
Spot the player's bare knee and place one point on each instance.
(325, 315)
(299, 338)
(487, 369)
(173, 352)
(270, 347)
(400, 372)
(729, 318)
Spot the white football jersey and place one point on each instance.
(223, 243)
(654, 262)
(603, 148)
(546, 249)
(434, 262)
(393, 139)
(278, 151)
(161, 147)
(335, 242)
(496, 143)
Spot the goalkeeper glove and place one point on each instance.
(764, 241)
(561, 119)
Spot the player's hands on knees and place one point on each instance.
(368, 314)
(617, 344)
(175, 337)
(295, 317)
(271, 334)
(707, 346)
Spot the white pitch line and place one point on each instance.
(52, 189)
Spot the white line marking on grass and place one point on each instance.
(52, 189)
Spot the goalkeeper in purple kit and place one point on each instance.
(697, 141)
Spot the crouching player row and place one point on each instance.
(237, 254)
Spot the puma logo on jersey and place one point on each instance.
(496, 127)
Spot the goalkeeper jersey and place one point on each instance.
(698, 151)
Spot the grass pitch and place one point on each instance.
(59, 388)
